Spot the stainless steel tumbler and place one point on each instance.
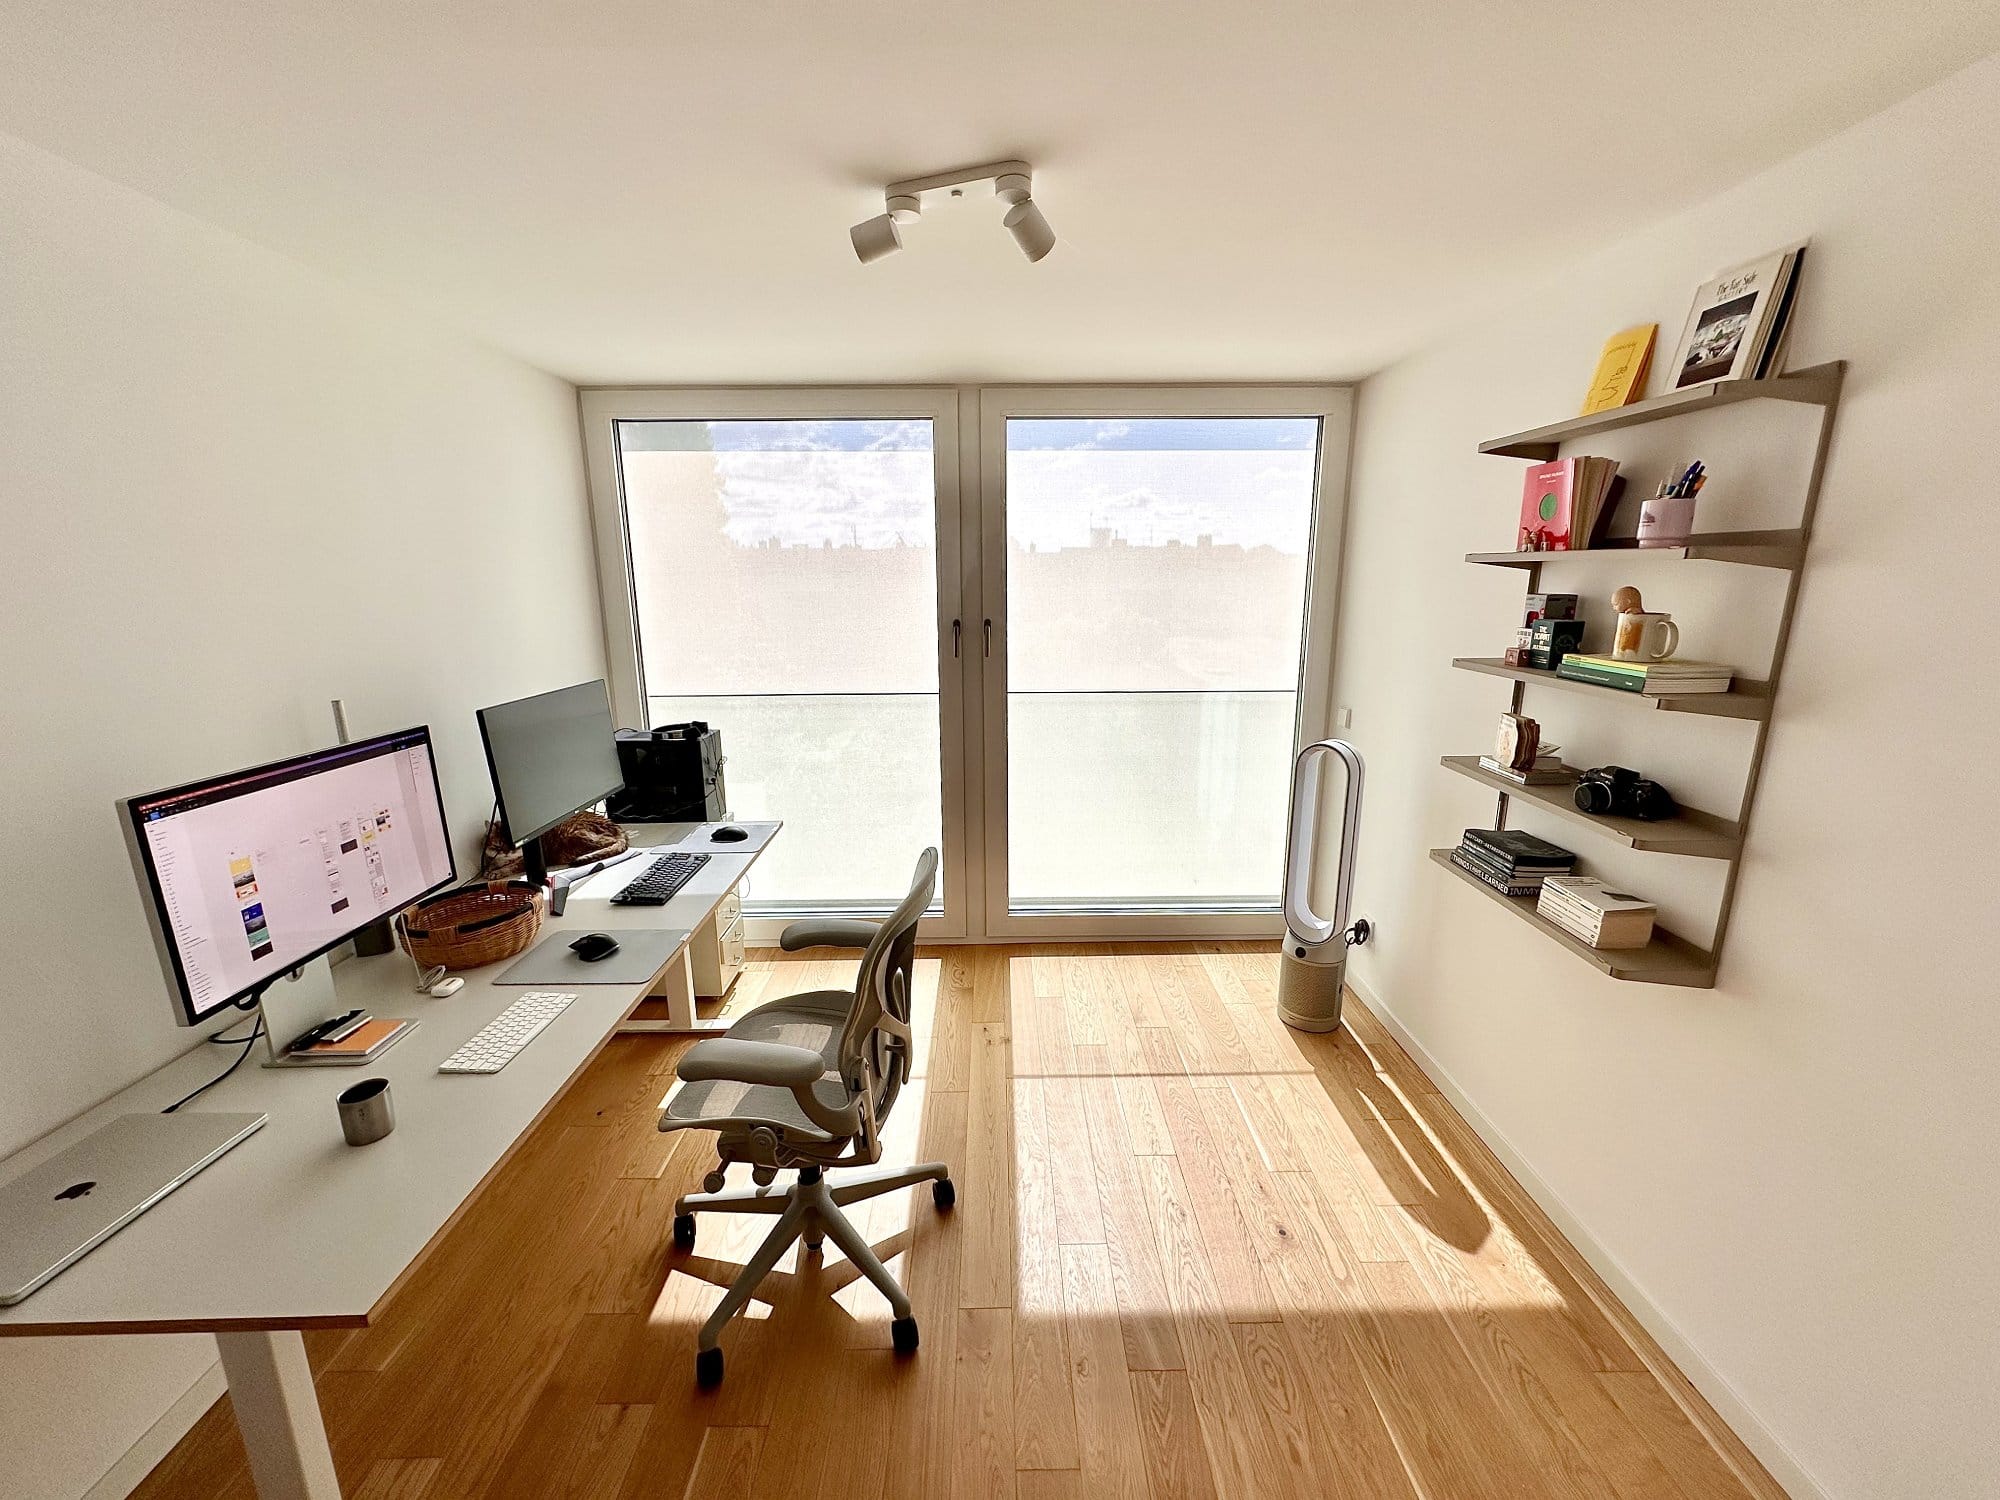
(366, 1112)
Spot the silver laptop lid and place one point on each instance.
(53, 1214)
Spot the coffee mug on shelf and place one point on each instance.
(1645, 636)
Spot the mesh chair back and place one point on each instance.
(874, 1056)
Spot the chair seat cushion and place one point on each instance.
(813, 1021)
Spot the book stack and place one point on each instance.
(1565, 504)
(1548, 770)
(1673, 677)
(1589, 910)
(1512, 862)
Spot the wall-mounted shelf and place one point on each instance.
(1747, 698)
(1819, 386)
(1690, 831)
(1665, 960)
(1761, 549)
(1668, 959)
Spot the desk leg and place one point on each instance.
(277, 1411)
(675, 985)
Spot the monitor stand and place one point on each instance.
(293, 1003)
(534, 863)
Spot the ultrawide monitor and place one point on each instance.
(254, 873)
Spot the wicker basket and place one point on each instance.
(465, 929)
(579, 839)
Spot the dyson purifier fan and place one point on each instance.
(1315, 959)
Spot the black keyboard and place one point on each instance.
(661, 881)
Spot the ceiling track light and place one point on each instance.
(903, 203)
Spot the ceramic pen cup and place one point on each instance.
(366, 1112)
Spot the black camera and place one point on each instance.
(1622, 794)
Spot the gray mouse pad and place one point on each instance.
(642, 953)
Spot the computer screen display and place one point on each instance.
(550, 755)
(254, 873)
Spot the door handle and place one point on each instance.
(989, 637)
(956, 627)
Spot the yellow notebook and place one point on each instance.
(1621, 369)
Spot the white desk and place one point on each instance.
(294, 1229)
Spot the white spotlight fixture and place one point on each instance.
(1030, 229)
(876, 237)
(1013, 185)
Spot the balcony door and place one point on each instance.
(1158, 566)
(781, 564)
(1071, 636)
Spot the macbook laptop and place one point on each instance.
(54, 1214)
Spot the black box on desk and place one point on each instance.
(1552, 640)
(1548, 607)
(673, 774)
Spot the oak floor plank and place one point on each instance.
(1111, 1457)
(1699, 1471)
(1134, 974)
(1453, 1435)
(1048, 1484)
(946, 1063)
(983, 1405)
(1242, 1446)
(726, 1464)
(1044, 1405)
(986, 1196)
(1216, 1193)
(1175, 1457)
(399, 1479)
(1145, 1315)
(993, 970)
(1079, 1218)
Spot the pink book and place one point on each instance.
(1548, 508)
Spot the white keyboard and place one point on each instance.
(493, 1046)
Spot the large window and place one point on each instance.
(1156, 592)
(1071, 636)
(784, 578)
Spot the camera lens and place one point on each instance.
(1593, 796)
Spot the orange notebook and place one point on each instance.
(366, 1041)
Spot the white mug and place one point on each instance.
(1645, 636)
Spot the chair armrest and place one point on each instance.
(751, 1062)
(828, 932)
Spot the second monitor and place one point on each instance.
(550, 755)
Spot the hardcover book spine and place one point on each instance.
(1505, 887)
(1600, 677)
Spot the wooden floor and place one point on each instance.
(1195, 1254)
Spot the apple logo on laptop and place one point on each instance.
(75, 1190)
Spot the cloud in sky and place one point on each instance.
(1241, 481)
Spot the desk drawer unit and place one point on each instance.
(715, 952)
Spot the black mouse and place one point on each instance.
(729, 835)
(593, 946)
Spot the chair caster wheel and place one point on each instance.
(708, 1369)
(903, 1333)
(943, 1194)
(684, 1231)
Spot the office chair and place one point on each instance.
(804, 1084)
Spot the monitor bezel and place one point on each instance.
(142, 858)
(493, 772)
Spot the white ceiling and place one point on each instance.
(660, 191)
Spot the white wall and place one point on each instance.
(232, 490)
(1795, 1171)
